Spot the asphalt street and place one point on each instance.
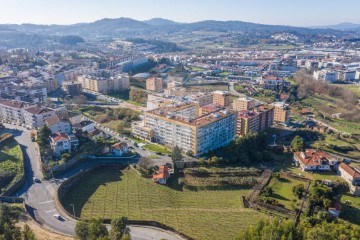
(39, 197)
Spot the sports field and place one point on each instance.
(201, 214)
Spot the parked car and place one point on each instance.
(59, 217)
(159, 153)
(37, 180)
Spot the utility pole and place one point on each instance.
(73, 207)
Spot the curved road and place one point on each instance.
(39, 197)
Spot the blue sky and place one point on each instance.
(283, 12)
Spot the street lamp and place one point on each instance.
(73, 207)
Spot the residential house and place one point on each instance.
(162, 175)
(352, 176)
(315, 160)
(118, 149)
(60, 142)
(84, 126)
(57, 124)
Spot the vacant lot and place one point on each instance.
(109, 193)
(351, 211)
(11, 163)
(221, 177)
(282, 188)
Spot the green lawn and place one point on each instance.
(11, 163)
(137, 140)
(201, 214)
(157, 148)
(282, 188)
(351, 212)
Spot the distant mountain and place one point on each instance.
(160, 22)
(340, 26)
(130, 28)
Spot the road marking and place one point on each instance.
(50, 189)
(41, 203)
(50, 211)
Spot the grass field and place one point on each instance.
(201, 214)
(351, 212)
(157, 148)
(11, 163)
(331, 106)
(282, 188)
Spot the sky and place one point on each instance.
(281, 12)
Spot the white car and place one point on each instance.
(59, 217)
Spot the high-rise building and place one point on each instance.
(247, 121)
(243, 103)
(281, 112)
(221, 98)
(72, 88)
(154, 84)
(180, 125)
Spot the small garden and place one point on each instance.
(11, 162)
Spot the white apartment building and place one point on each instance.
(181, 126)
(35, 116)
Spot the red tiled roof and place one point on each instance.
(52, 120)
(12, 103)
(119, 145)
(352, 172)
(57, 137)
(37, 110)
(163, 173)
(313, 157)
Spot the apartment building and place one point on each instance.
(266, 116)
(105, 81)
(202, 99)
(243, 103)
(176, 91)
(72, 88)
(50, 84)
(181, 126)
(221, 98)
(247, 122)
(12, 111)
(34, 117)
(281, 112)
(154, 84)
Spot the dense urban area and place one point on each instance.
(126, 129)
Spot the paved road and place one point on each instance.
(233, 91)
(39, 196)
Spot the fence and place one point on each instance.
(256, 190)
(11, 199)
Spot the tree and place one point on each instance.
(27, 233)
(145, 163)
(43, 136)
(118, 226)
(298, 190)
(297, 144)
(79, 100)
(81, 230)
(267, 191)
(176, 154)
(66, 157)
(96, 229)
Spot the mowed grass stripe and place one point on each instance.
(202, 214)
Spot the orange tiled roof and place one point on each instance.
(352, 172)
(57, 137)
(313, 157)
(163, 173)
